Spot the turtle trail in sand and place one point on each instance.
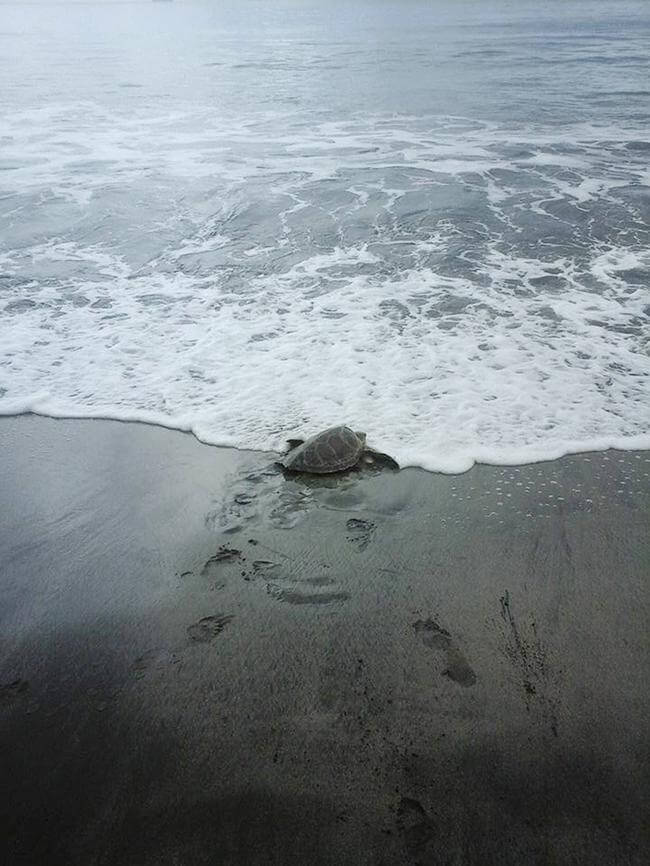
(334, 450)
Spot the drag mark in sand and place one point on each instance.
(263, 565)
(435, 637)
(263, 496)
(529, 655)
(317, 591)
(208, 628)
(290, 584)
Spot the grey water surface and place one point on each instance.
(428, 219)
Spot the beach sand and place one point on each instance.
(202, 662)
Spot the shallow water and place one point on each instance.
(427, 220)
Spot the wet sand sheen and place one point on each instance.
(203, 661)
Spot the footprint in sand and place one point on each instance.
(208, 628)
(415, 827)
(212, 568)
(152, 659)
(435, 637)
(223, 555)
(360, 532)
(10, 692)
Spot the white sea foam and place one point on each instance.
(381, 274)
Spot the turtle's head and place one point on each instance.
(361, 437)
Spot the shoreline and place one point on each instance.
(373, 669)
(525, 456)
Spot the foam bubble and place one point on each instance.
(431, 284)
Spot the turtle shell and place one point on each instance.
(333, 450)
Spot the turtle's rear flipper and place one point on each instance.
(294, 443)
(380, 459)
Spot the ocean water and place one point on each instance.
(428, 220)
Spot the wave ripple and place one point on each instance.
(461, 290)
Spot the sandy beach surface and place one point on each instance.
(202, 662)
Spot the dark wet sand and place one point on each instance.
(203, 663)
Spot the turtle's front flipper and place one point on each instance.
(294, 443)
(380, 459)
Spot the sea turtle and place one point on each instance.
(332, 450)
